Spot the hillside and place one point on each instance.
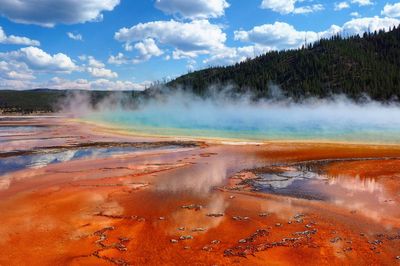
(355, 66)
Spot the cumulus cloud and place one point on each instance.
(361, 25)
(39, 60)
(101, 72)
(57, 83)
(148, 48)
(13, 70)
(232, 55)
(188, 39)
(98, 69)
(345, 5)
(283, 7)
(289, 6)
(341, 6)
(362, 2)
(99, 84)
(16, 39)
(199, 9)
(308, 9)
(281, 35)
(93, 62)
(391, 10)
(15, 84)
(15, 74)
(48, 13)
(118, 59)
(76, 37)
(277, 36)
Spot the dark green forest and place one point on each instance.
(355, 66)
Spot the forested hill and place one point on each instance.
(355, 66)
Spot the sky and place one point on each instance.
(128, 44)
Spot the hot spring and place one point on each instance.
(314, 120)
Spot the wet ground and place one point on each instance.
(74, 194)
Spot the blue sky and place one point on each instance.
(126, 44)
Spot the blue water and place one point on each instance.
(333, 121)
(39, 160)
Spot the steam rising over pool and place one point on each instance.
(336, 120)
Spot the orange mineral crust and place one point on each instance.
(200, 203)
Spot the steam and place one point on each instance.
(228, 115)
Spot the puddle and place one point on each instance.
(39, 160)
(291, 182)
(363, 195)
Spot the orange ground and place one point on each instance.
(137, 209)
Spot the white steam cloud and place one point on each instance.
(183, 114)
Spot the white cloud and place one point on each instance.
(38, 60)
(355, 14)
(13, 70)
(283, 7)
(16, 84)
(232, 55)
(346, 4)
(118, 59)
(15, 75)
(199, 9)
(93, 62)
(121, 59)
(57, 83)
(179, 54)
(148, 48)
(16, 39)
(101, 73)
(76, 37)
(289, 6)
(276, 36)
(362, 2)
(341, 6)
(98, 69)
(48, 13)
(361, 25)
(308, 9)
(281, 35)
(192, 38)
(99, 84)
(391, 10)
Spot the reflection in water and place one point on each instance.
(290, 182)
(363, 195)
(199, 178)
(209, 172)
(15, 163)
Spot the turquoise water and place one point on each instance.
(333, 121)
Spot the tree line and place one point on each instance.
(357, 66)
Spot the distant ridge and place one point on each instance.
(355, 66)
(43, 100)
